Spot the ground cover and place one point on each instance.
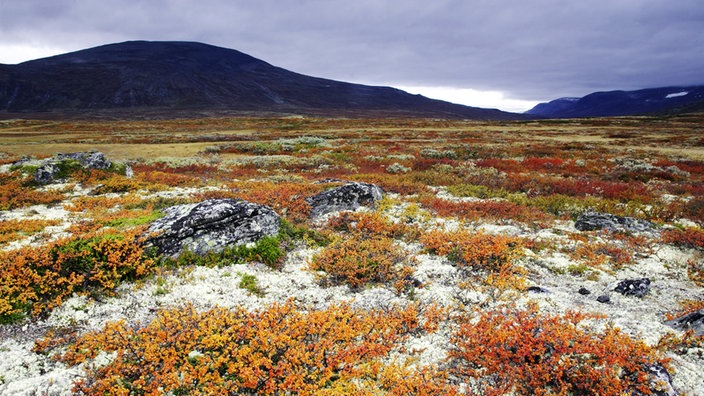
(431, 290)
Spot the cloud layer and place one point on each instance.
(527, 50)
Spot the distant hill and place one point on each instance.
(621, 103)
(171, 78)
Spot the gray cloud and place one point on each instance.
(532, 49)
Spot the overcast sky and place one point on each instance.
(487, 53)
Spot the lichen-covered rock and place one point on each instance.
(591, 221)
(60, 166)
(90, 160)
(348, 197)
(46, 173)
(691, 321)
(633, 287)
(211, 226)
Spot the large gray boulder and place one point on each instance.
(592, 221)
(211, 226)
(347, 197)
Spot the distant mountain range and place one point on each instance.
(179, 78)
(666, 100)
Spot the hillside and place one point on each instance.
(161, 77)
(671, 100)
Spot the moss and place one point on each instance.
(135, 221)
(251, 284)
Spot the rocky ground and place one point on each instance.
(552, 282)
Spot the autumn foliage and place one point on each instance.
(524, 352)
(358, 261)
(37, 279)
(282, 349)
(478, 250)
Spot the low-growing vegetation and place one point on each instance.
(527, 353)
(37, 279)
(277, 350)
(425, 292)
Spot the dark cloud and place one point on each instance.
(533, 49)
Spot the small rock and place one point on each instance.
(348, 197)
(634, 287)
(691, 321)
(537, 289)
(604, 298)
(584, 291)
(212, 225)
(591, 221)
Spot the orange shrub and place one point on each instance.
(15, 194)
(599, 254)
(274, 351)
(477, 250)
(527, 353)
(690, 237)
(12, 230)
(368, 224)
(484, 210)
(38, 279)
(356, 261)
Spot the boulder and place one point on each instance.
(90, 160)
(211, 226)
(591, 221)
(46, 173)
(691, 321)
(60, 165)
(347, 197)
(633, 287)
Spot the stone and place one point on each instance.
(633, 287)
(347, 197)
(584, 291)
(46, 173)
(49, 170)
(90, 160)
(692, 321)
(592, 221)
(660, 381)
(537, 289)
(604, 298)
(211, 226)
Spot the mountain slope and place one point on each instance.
(621, 103)
(187, 75)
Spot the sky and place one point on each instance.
(486, 53)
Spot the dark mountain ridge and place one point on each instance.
(189, 76)
(664, 100)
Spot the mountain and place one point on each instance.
(180, 77)
(621, 103)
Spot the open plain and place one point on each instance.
(511, 257)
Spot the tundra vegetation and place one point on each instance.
(473, 248)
